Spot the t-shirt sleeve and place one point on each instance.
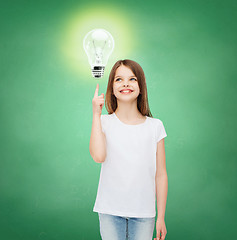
(103, 124)
(161, 133)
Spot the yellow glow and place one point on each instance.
(81, 21)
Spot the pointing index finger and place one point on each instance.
(96, 90)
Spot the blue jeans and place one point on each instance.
(121, 228)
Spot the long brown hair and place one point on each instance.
(142, 99)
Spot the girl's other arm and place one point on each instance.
(161, 190)
(97, 141)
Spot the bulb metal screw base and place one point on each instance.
(98, 71)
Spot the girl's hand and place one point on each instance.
(160, 229)
(97, 102)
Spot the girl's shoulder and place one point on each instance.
(155, 120)
(105, 116)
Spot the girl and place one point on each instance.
(129, 144)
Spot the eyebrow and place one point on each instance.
(120, 76)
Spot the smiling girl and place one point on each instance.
(129, 144)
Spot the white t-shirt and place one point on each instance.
(127, 177)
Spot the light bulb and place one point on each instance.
(98, 45)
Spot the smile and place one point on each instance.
(126, 91)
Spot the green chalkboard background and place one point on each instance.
(48, 180)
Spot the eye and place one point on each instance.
(120, 78)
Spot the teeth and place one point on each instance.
(126, 91)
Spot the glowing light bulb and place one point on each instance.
(98, 45)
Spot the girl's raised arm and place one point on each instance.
(97, 141)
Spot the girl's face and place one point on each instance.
(125, 79)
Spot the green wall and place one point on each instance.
(48, 180)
